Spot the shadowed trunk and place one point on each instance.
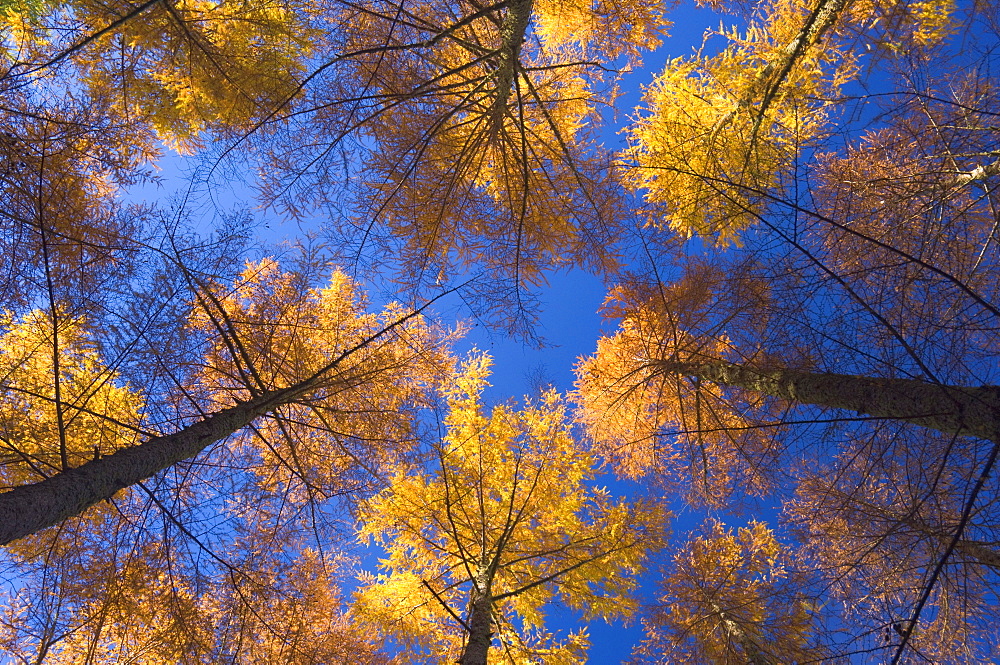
(983, 552)
(949, 409)
(480, 622)
(30, 508)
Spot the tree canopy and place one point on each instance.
(780, 448)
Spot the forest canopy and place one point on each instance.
(779, 448)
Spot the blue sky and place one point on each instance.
(569, 320)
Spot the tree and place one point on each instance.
(827, 333)
(723, 132)
(334, 360)
(314, 372)
(877, 524)
(865, 282)
(871, 292)
(177, 68)
(733, 598)
(474, 124)
(505, 522)
(703, 413)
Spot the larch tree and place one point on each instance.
(503, 523)
(328, 355)
(188, 441)
(222, 555)
(876, 524)
(705, 390)
(835, 355)
(474, 124)
(734, 597)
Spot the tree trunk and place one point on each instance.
(512, 34)
(480, 622)
(983, 552)
(30, 508)
(949, 409)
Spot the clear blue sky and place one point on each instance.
(569, 322)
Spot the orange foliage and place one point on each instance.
(651, 422)
(732, 598)
(274, 329)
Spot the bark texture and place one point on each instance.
(480, 622)
(984, 553)
(950, 409)
(512, 34)
(30, 508)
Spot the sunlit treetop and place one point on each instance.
(503, 523)
(609, 29)
(183, 67)
(208, 565)
(272, 329)
(477, 132)
(693, 436)
(721, 132)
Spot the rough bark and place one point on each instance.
(512, 35)
(981, 172)
(950, 409)
(30, 508)
(984, 553)
(480, 622)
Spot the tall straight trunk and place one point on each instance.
(30, 508)
(513, 30)
(949, 409)
(480, 621)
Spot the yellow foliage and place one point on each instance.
(728, 599)
(138, 613)
(99, 415)
(58, 180)
(510, 504)
(181, 66)
(482, 147)
(291, 614)
(720, 134)
(934, 21)
(612, 29)
(720, 131)
(273, 329)
(139, 605)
